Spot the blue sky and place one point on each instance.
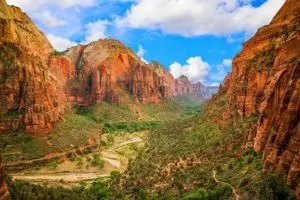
(196, 38)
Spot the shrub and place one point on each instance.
(274, 187)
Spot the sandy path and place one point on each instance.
(237, 196)
(109, 156)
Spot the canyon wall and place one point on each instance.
(30, 95)
(265, 82)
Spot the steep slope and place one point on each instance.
(184, 86)
(265, 82)
(30, 94)
(107, 70)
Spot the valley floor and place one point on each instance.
(186, 157)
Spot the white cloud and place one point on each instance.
(221, 71)
(196, 69)
(96, 30)
(199, 17)
(60, 43)
(49, 19)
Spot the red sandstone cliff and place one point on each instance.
(107, 70)
(265, 81)
(29, 92)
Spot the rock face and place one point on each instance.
(204, 92)
(4, 194)
(197, 90)
(107, 70)
(265, 81)
(184, 86)
(29, 90)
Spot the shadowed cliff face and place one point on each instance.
(4, 195)
(265, 81)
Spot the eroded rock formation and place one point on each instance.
(30, 95)
(265, 82)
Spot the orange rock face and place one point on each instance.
(107, 70)
(29, 92)
(265, 81)
(4, 194)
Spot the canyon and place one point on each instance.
(39, 83)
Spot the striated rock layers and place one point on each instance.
(37, 83)
(265, 81)
(4, 194)
(30, 95)
(107, 70)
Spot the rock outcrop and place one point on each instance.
(184, 86)
(107, 70)
(4, 194)
(30, 95)
(204, 92)
(265, 81)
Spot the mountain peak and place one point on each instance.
(183, 78)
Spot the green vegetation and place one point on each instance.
(73, 132)
(180, 158)
(177, 162)
(191, 104)
(10, 115)
(264, 59)
(129, 127)
(106, 112)
(57, 53)
(96, 161)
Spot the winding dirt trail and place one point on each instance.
(49, 157)
(237, 196)
(110, 156)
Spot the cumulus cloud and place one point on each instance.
(96, 30)
(195, 69)
(60, 43)
(49, 19)
(199, 17)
